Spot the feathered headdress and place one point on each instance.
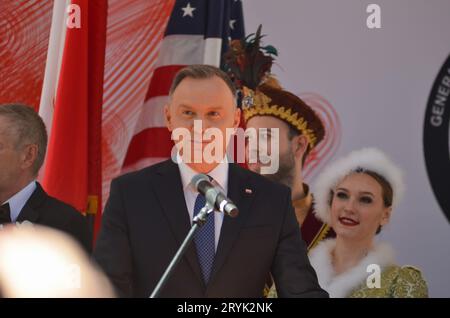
(248, 62)
(249, 66)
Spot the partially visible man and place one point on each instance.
(23, 143)
(268, 108)
(300, 130)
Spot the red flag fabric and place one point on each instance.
(73, 165)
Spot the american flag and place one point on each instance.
(198, 32)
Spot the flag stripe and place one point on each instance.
(213, 51)
(152, 114)
(165, 76)
(181, 49)
(141, 143)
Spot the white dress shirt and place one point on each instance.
(18, 200)
(220, 180)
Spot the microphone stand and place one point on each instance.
(199, 220)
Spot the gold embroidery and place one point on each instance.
(319, 236)
(257, 103)
(396, 282)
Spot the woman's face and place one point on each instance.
(357, 208)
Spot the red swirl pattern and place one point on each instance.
(24, 35)
(325, 150)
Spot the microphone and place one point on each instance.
(214, 196)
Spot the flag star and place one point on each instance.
(188, 10)
(232, 22)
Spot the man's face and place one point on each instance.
(10, 156)
(209, 101)
(286, 170)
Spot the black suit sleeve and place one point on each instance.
(292, 272)
(112, 250)
(79, 229)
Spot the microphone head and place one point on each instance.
(199, 178)
(231, 210)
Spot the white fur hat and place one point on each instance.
(366, 159)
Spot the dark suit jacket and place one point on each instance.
(146, 219)
(45, 210)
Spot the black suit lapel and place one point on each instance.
(237, 185)
(171, 196)
(30, 210)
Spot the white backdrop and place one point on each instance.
(378, 81)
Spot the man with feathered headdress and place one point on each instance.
(266, 105)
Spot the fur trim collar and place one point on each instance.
(340, 286)
(367, 158)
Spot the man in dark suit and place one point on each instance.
(149, 212)
(23, 141)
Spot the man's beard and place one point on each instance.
(286, 170)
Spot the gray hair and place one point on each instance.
(201, 71)
(29, 128)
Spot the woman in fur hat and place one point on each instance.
(356, 196)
